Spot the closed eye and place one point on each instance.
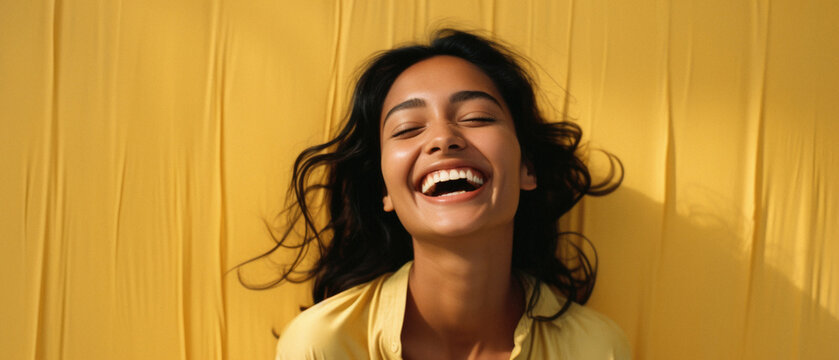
(478, 121)
(406, 131)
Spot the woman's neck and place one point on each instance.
(462, 296)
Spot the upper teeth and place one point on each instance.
(452, 174)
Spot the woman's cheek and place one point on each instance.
(397, 161)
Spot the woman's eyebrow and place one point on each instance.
(465, 95)
(407, 104)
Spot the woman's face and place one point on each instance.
(450, 157)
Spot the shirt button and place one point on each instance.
(394, 346)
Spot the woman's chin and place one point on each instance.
(460, 227)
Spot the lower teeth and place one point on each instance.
(454, 193)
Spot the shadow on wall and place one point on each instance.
(693, 284)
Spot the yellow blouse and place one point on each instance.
(365, 322)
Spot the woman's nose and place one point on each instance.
(444, 137)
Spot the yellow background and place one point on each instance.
(144, 141)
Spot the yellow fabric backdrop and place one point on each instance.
(143, 142)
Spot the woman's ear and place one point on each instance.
(387, 204)
(528, 176)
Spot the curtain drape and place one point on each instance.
(145, 143)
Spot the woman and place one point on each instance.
(444, 189)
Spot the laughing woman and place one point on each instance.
(444, 191)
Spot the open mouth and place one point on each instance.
(451, 182)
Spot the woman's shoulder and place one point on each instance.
(337, 327)
(580, 332)
(328, 328)
(584, 333)
(590, 326)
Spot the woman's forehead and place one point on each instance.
(437, 79)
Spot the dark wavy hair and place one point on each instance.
(359, 241)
